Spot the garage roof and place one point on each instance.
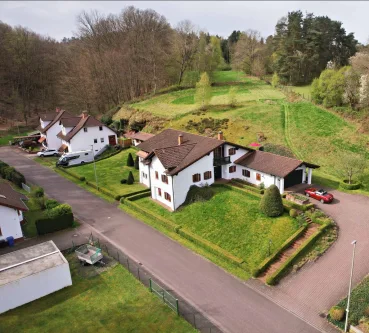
(28, 261)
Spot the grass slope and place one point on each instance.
(233, 221)
(113, 301)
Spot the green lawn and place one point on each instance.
(110, 171)
(113, 301)
(233, 221)
(229, 76)
(304, 91)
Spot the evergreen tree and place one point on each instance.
(130, 179)
(203, 91)
(137, 167)
(130, 161)
(271, 203)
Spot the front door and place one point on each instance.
(112, 140)
(217, 172)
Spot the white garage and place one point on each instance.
(31, 273)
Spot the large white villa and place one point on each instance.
(172, 161)
(68, 133)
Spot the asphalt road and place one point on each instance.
(225, 300)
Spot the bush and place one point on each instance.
(346, 186)
(38, 192)
(271, 203)
(293, 212)
(130, 161)
(106, 119)
(366, 311)
(337, 313)
(51, 203)
(198, 194)
(47, 224)
(17, 178)
(130, 179)
(123, 181)
(3, 165)
(82, 178)
(59, 210)
(7, 172)
(137, 166)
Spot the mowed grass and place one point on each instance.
(110, 172)
(113, 301)
(320, 136)
(233, 221)
(229, 76)
(304, 91)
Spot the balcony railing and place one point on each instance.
(221, 160)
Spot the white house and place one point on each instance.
(80, 133)
(68, 133)
(172, 161)
(11, 212)
(31, 273)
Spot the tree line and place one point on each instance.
(118, 57)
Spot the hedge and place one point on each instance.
(237, 189)
(72, 174)
(127, 195)
(11, 174)
(268, 261)
(209, 246)
(350, 187)
(46, 225)
(290, 204)
(140, 195)
(247, 186)
(276, 276)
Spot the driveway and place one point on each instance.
(228, 302)
(318, 286)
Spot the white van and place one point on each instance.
(77, 157)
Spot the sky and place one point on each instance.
(57, 19)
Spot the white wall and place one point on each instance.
(265, 178)
(34, 286)
(144, 169)
(157, 183)
(83, 140)
(44, 123)
(10, 223)
(225, 168)
(53, 142)
(183, 181)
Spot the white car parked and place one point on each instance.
(48, 152)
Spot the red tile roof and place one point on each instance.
(271, 164)
(57, 117)
(11, 198)
(70, 122)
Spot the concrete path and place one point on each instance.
(230, 303)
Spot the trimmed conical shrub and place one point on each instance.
(130, 161)
(130, 179)
(137, 167)
(271, 203)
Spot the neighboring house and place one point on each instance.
(31, 273)
(80, 133)
(11, 212)
(138, 137)
(172, 161)
(70, 133)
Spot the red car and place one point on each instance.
(321, 195)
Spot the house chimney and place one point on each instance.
(220, 135)
(180, 139)
(84, 114)
(57, 110)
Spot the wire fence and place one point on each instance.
(180, 306)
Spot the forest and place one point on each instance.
(117, 58)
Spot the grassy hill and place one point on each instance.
(309, 132)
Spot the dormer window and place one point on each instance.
(100, 128)
(85, 129)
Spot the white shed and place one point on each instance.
(31, 273)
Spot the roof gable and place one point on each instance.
(11, 198)
(58, 116)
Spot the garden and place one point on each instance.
(112, 301)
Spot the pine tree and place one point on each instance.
(137, 167)
(271, 203)
(130, 161)
(130, 179)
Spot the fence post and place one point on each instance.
(194, 320)
(72, 245)
(177, 307)
(118, 256)
(128, 264)
(138, 273)
(150, 285)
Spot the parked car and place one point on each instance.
(48, 152)
(321, 195)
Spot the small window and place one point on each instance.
(156, 175)
(100, 128)
(232, 169)
(246, 173)
(196, 178)
(167, 196)
(18, 212)
(85, 129)
(95, 140)
(164, 179)
(102, 140)
(258, 176)
(231, 151)
(207, 175)
(86, 154)
(159, 192)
